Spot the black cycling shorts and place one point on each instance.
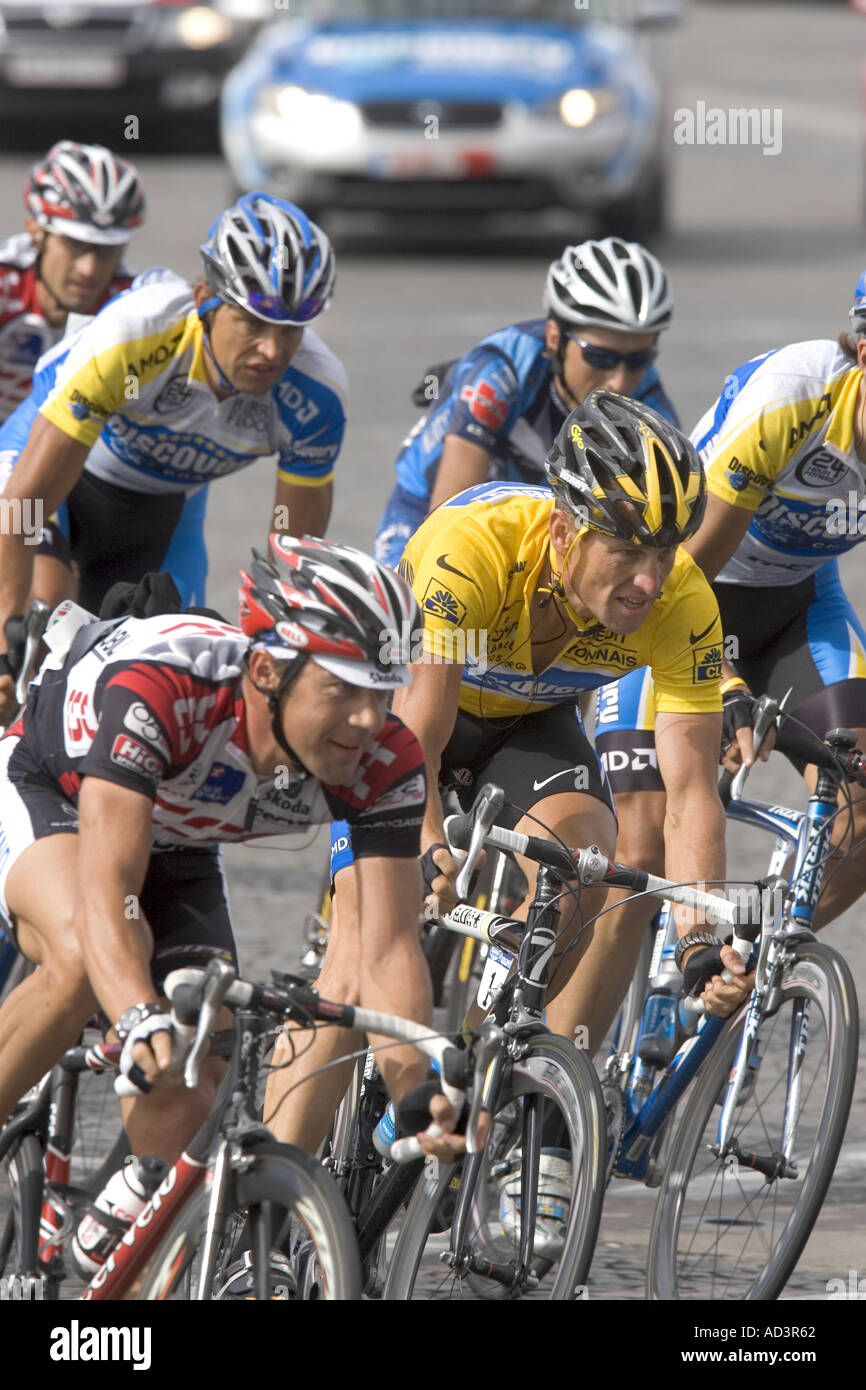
(530, 757)
(116, 534)
(183, 898)
(54, 544)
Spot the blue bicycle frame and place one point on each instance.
(809, 834)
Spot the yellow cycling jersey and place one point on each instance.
(474, 566)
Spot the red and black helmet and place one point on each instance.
(335, 604)
(86, 192)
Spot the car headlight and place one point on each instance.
(579, 107)
(317, 121)
(201, 27)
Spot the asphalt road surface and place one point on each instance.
(765, 249)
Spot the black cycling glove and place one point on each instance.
(700, 967)
(738, 712)
(429, 870)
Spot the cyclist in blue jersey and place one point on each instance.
(171, 387)
(500, 407)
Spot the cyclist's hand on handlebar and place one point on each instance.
(737, 740)
(449, 1146)
(147, 1053)
(440, 870)
(721, 998)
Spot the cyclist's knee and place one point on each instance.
(63, 978)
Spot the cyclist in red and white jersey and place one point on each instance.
(83, 204)
(147, 744)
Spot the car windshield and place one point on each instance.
(563, 10)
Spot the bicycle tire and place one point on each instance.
(554, 1070)
(21, 1186)
(695, 1249)
(294, 1193)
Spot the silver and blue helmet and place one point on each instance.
(264, 255)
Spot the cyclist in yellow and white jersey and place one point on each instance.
(784, 448)
(530, 598)
(171, 387)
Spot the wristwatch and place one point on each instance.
(131, 1017)
(694, 938)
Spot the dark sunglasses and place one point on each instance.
(605, 359)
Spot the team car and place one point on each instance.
(395, 105)
(91, 59)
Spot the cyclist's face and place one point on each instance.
(331, 724)
(253, 354)
(614, 581)
(580, 378)
(77, 274)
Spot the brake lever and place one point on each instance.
(221, 976)
(485, 817)
(766, 713)
(35, 623)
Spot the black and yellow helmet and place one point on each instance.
(625, 471)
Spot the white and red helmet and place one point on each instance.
(353, 616)
(85, 192)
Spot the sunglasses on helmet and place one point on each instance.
(606, 360)
(270, 306)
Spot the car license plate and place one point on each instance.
(413, 164)
(70, 69)
(496, 969)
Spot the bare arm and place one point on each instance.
(718, 536)
(462, 465)
(302, 511)
(377, 902)
(429, 708)
(688, 755)
(47, 471)
(114, 851)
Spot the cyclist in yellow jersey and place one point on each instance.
(530, 598)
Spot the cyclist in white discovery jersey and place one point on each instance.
(171, 387)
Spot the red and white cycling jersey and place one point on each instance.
(24, 334)
(155, 704)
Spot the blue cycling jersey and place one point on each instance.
(502, 396)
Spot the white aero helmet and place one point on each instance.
(609, 284)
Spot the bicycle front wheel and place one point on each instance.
(553, 1077)
(725, 1228)
(286, 1236)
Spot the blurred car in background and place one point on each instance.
(74, 63)
(395, 105)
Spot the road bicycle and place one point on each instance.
(748, 1162)
(239, 1216)
(524, 1078)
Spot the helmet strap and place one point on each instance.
(274, 699)
(555, 589)
(207, 307)
(556, 356)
